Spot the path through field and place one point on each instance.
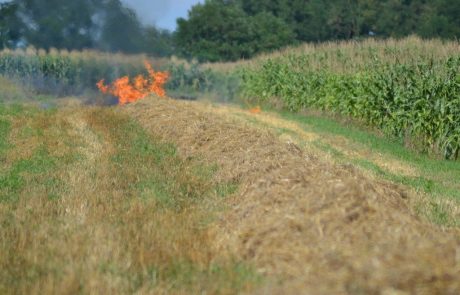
(164, 197)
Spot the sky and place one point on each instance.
(161, 13)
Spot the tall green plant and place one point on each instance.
(417, 100)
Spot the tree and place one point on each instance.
(270, 32)
(158, 42)
(102, 24)
(121, 30)
(55, 23)
(10, 25)
(442, 20)
(219, 30)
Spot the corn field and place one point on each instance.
(409, 89)
(63, 73)
(413, 97)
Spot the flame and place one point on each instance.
(256, 110)
(139, 88)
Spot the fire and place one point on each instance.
(139, 88)
(256, 110)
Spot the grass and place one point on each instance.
(10, 91)
(91, 203)
(438, 179)
(13, 177)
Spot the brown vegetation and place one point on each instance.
(319, 227)
(346, 56)
(109, 207)
(105, 209)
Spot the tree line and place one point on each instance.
(236, 29)
(222, 30)
(105, 25)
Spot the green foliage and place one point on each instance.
(158, 42)
(79, 24)
(72, 29)
(417, 100)
(119, 25)
(319, 20)
(230, 30)
(10, 25)
(218, 30)
(5, 127)
(188, 80)
(13, 181)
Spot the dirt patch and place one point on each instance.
(318, 227)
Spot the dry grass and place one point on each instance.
(340, 143)
(345, 56)
(106, 206)
(10, 91)
(322, 228)
(98, 220)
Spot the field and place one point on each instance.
(63, 73)
(166, 196)
(408, 89)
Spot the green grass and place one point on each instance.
(5, 127)
(30, 172)
(35, 170)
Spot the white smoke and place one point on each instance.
(149, 11)
(161, 13)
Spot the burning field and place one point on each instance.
(131, 91)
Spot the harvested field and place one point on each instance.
(304, 222)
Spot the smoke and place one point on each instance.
(150, 12)
(161, 13)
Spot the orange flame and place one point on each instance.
(141, 87)
(256, 110)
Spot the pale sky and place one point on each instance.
(163, 14)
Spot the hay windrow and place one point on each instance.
(319, 227)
